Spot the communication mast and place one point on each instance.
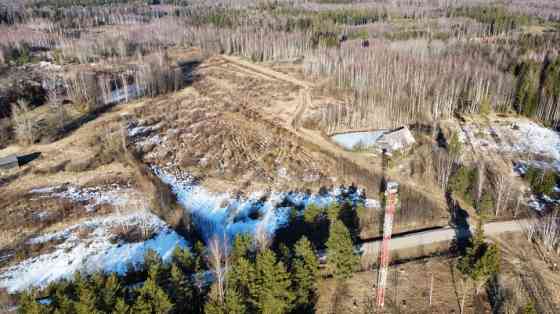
(391, 200)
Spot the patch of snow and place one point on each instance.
(311, 177)
(143, 130)
(282, 173)
(43, 190)
(372, 203)
(41, 215)
(92, 252)
(352, 140)
(535, 204)
(122, 94)
(526, 137)
(49, 65)
(94, 196)
(222, 214)
(45, 301)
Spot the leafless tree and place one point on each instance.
(443, 165)
(218, 261)
(23, 122)
(262, 237)
(480, 180)
(502, 189)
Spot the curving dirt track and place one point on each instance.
(365, 162)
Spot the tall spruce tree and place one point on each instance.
(305, 274)
(28, 304)
(120, 307)
(481, 260)
(341, 260)
(270, 290)
(240, 277)
(109, 293)
(179, 290)
(86, 298)
(151, 299)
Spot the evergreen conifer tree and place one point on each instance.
(109, 293)
(342, 260)
(269, 291)
(233, 302)
(120, 307)
(305, 274)
(481, 260)
(151, 299)
(28, 304)
(87, 300)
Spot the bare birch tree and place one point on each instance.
(218, 261)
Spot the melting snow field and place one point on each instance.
(516, 137)
(90, 246)
(221, 213)
(352, 140)
(94, 251)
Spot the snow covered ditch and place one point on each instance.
(219, 214)
(91, 251)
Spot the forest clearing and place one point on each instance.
(235, 156)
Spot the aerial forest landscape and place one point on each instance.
(279, 156)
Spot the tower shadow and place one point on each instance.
(459, 221)
(25, 159)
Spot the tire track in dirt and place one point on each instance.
(365, 163)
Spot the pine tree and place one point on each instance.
(455, 147)
(305, 274)
(341, 260)
(151, 299)
(312, 213)
(152, 258)
(213, 306)
(333, 211)
(109, 293)
(86, 298)
(526, 95)
(269, 291)
(240, 277)
(59, 293)
(28, 304)
(120, 307)
(64, 304)
(184, 259)
(481, 260)
(234, 303)
(180, 292)
(486, 205)
(241, 247)
(529, 309)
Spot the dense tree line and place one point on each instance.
(497, 19)
(538, 89)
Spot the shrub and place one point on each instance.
(23, 123)
(462, 181)
(541, 181)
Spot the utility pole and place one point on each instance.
(391, 200)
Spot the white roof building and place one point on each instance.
(398, 139)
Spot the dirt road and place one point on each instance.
(363, 161)
(427, 238)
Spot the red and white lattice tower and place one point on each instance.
(384, 254)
